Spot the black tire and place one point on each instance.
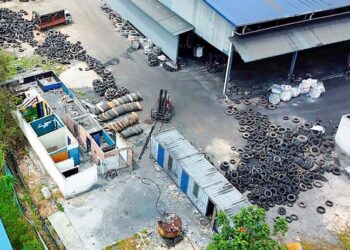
(294, 217)
(302, 204)
(320, 210)
(329, 203)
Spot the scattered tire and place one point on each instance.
(318, 184)
(294, 217)
(320, 210)
(302, 204)
(289, 219)
(329, 203)
(282, 211)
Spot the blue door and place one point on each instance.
(184, 181)
(160, 158)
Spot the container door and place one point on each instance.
(160, 158)
(184, 181)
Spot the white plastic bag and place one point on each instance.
(315, 93)
(274, 98)
(306, 85)
(286, 87)
(295, 91)
(276, 89)
(321, 86)
(286, 95)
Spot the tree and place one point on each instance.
(10, 135)
(247, 230)
(5, 60)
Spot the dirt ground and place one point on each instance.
(200, 116)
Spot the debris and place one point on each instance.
(46, 193)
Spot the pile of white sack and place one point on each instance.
(285, 93)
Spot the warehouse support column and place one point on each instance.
(228, 68)
(292, 66)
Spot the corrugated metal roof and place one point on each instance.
(243, 12)
(290, 39)
(168, 19)
(220, 191)
(4, 240)
(175, 144)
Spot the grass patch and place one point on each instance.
(319, 244)
(23, 64)
(134, 242)
(20, 232)
(344, 238)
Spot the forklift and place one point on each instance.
(163, 112)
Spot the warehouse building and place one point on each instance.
(255, 29)
(203, 184)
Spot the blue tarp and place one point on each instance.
(243, 12)
(4, 240)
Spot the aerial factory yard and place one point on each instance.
(150, 124)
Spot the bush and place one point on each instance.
(247, 230)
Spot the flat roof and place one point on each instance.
(4, 239)
(293, 38)
(168, 19)
(244, 12)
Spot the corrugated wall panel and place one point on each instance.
(208, 24)
(147, 26)
(154, 148)
(201, 201)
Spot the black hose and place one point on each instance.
(159, 192)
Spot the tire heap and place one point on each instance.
(14, 29)
(122, 123)
(131, 131)
(105, 106)
(56, 47)
(115, 92)
(278, 163)
(153, 56)
(119, 111)
(99, 87)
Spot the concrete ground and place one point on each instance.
(123, 208)
(127, 206)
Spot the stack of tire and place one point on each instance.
(99, 87)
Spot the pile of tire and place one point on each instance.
(278, 163)
(119, 111)
(105, 106)
(122, 123)
(99, 87)
(14, 29)
(131, 131)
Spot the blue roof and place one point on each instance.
(244, 12)
(4, 240)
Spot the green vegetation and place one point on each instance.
(248, 230)
(344, 238)
(132, 243)
(5, 60)
(20, 232)
(10, 134)
(10, 66)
